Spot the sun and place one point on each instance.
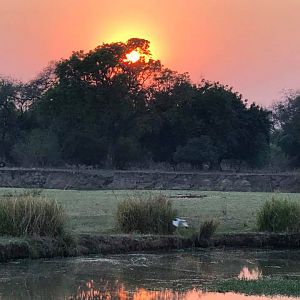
(133, 56)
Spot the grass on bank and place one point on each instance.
(265, 286)
(95, 211)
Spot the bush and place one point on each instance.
(197, 151)
(126, 151)
(84, 148)
(38, 148)
(31, 215)
(151, 215)
(279, 215)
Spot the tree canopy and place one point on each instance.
(99, 108)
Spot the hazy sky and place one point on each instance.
(253, 45)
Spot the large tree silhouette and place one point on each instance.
(100, 108)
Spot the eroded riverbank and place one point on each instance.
(148, 180)
(86, 244)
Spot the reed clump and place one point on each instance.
(31, 214)
(146, 214)
(279, 215)
(208, 229)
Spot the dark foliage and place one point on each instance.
(287, 117)
(96, 108)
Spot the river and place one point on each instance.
(180, 275)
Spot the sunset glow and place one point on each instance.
(133, 56)
(131, 29)
(250, 45)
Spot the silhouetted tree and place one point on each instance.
(99, 108)
(287, 118)
(97, 99)
(8, 116)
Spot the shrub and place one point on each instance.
(31, 215)
(126, 151)
(37, 148)
(279, 215)
(197, 151)
(153, 214)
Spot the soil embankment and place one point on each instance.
(109, 244)
(97, 179)
(86, 244)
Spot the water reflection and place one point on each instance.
(173, 275)
(106, 292)
(250, 274)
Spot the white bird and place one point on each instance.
(178, 222)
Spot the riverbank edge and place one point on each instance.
(87, 244)
(67, 179)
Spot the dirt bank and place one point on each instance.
(86, 244)
(97, 179)
(108, 244)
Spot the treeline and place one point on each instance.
(99, 108)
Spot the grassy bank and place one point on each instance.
(264, 286)
(94, 211)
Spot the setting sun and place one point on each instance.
(133, 56)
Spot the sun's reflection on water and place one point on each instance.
(250, 274)
(117, 291)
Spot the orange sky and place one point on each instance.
(253, 45)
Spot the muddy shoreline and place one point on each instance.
(87, 244)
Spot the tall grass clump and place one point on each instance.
(31, 215)
(150, 214)
(279, 215)
(208, 229)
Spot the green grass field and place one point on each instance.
(94, 211)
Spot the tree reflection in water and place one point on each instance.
(105, 291)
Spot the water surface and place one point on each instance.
(180, 275)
